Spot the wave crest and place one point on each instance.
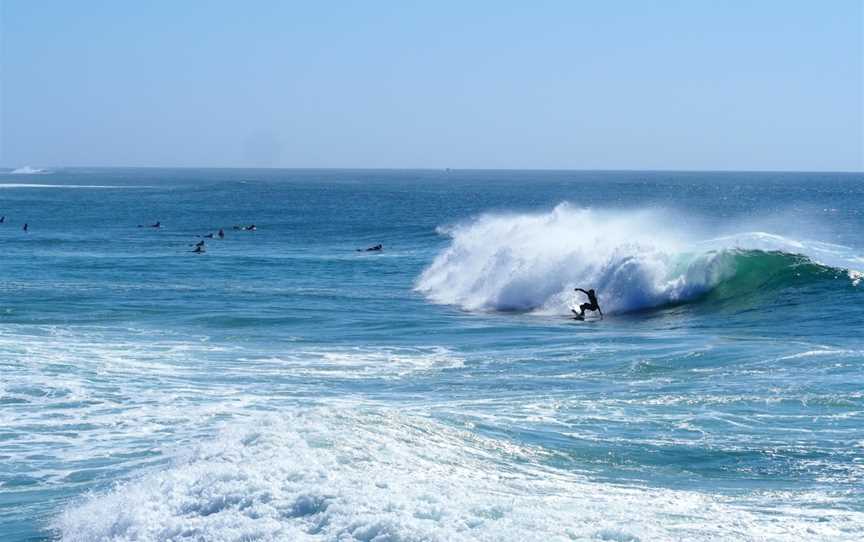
(28, 170)
(635, 260)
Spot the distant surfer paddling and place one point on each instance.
(592, 304)
(375, 248)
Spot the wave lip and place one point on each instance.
(532, 262)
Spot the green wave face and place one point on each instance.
(758, 276)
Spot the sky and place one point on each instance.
(679, 85)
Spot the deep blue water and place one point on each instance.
(284, 386)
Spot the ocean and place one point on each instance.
(285, 386)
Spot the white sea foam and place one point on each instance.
(356, 473)
(836, 353)
(103, 391)
(28, 170)
(358, 362)
(35, 185)
(634, 259)
(354, 470)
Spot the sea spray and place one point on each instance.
(634, 259)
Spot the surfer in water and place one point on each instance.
(592, 304)
(376, 248)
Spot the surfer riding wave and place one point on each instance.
(531, 262)
(592, 304)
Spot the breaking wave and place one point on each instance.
(635, 260)
(35, 185)
(357, 474)
(28, 170)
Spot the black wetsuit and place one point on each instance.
(592, 304)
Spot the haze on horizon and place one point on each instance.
(707, 85)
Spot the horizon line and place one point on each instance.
(444, 169)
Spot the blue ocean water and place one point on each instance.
(284, 386)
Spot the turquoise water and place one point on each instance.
(283, 386)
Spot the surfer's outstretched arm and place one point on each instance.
(580, 290)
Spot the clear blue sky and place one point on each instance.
(566, 84)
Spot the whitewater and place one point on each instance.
(635, 259)
(284, 386)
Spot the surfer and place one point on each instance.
(376, 248)
(592, 304)
(156, 225)
(2, 219)
(221, 233)
(199, 249)
(26, 227)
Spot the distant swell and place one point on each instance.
(35, 185)
(635, 260)
(28, 170)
